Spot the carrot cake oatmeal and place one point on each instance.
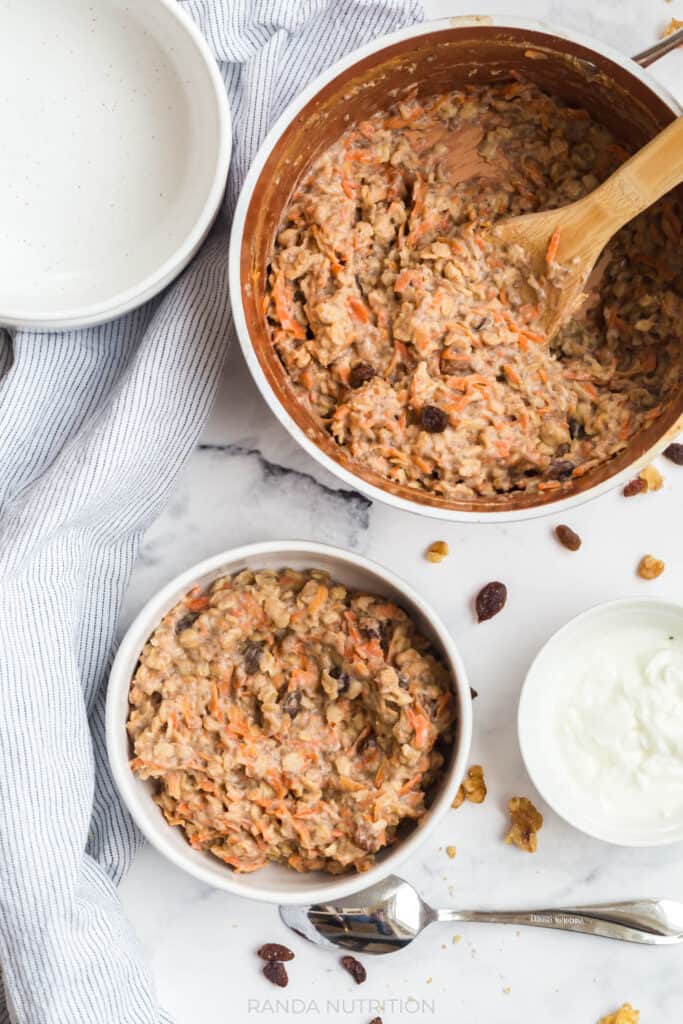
(285, 718)
(416, 339)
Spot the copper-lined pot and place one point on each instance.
(438, 56)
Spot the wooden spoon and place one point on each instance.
(573, 236)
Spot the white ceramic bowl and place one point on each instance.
(538, 708)
(116, 146)
(276, 883)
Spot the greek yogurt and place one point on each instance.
(601, 722)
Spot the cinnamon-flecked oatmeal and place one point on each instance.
(416, 339)
(285, 718)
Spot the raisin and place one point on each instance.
(386, 631)
(491, 600)
(277, 973)
(291, 705)
(275, 951)
(360, 374)
(355, 969)
(403, 682)
(433, 419)
(577, 431)
(634, 486)
(376, 1020)
(473, 693)
(369, 632)
(675, 453)
(186, 622)
(567, 538)
(560, 469)
(252, 657)
(335, 672)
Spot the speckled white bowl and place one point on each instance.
(115, 153)
(276, 883)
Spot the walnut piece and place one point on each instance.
(473, 787)
(672, 27)
(525, 822)
(649, 567)
(624, 1015)
(437, 551)
(451, 851)
(652, 478)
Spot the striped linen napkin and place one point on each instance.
(95, 426)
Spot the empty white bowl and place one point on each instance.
(116, 148)
(605, 770)
(276, 883)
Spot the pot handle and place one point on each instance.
(653, 53)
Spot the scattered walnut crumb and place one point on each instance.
(437, 551)
(451, 852)
(429, 981)
(473, 787)
(507, 990)
(649, 567)
(624, 1015)
(651, 476)
(672, 27)
(456, 939)
(525, 822)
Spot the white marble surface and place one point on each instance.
(247, 481)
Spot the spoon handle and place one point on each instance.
(642, 179)
(644, 921)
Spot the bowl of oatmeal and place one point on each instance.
(389, 330)
(285, 718)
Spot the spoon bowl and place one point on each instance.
(567, 242)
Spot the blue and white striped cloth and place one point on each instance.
(94, 428)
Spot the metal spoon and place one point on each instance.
(388, 916)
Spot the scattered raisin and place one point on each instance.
(275, 951)
(649, 567)
(560, 469)
(376, 1020)
(252, 657)
(277, 973)
(473, 693)
(491, 600)
(433, 419)
(360, 374)
(675, 453)
(291, 705)
(635, 486)
(355, 969)
(567, 538)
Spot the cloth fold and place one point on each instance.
(95, 426)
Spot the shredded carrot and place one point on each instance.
(553, 244)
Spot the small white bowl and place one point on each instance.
(538, 708)
(276, 883)
(116, 148)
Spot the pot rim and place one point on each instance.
(353, 480)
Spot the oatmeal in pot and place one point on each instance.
(285, 718)
(415, 338)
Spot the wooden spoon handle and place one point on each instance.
(649, 174)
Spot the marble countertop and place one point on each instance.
(247, 481)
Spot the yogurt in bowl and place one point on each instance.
(601, 722)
